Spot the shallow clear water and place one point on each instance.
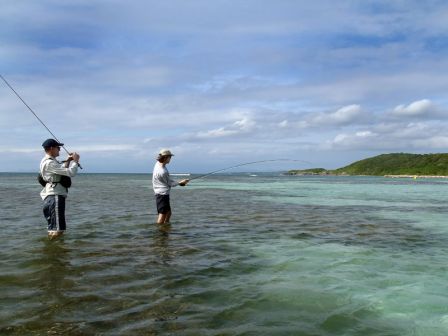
(244, 255)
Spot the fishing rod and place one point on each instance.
(29, 108)
(246, 164)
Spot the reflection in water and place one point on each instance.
(55, 256)
(161, 243)
(53, 262)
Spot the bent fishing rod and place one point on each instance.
(29, 108)
(246, 164)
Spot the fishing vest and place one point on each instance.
(64, 181)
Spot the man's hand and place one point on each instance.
(73, 157)
(183, 183)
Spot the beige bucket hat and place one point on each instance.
(165, 152)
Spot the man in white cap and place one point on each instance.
(162, 184)
(55, 178)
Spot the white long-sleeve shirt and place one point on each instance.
(51, 169)
(161, 181)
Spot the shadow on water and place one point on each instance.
(359, 225)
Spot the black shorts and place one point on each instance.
(163, 204)
(54, 212)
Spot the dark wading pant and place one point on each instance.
(54, 212)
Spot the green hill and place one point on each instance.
(312, 171)
(394, 164)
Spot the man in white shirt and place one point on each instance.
(55, 176)
(162, 184)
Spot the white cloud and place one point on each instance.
(365, 134)
(242, 126)
(340, 138)
(413, 131)
(245, 124)
(219, 132)
(355, 139)
(394, 137)
(106, 148)
(81, 148)
(418, 108)
(345, 116)
(363, 140)
(435, 142)
(283, 124)
(20, 150)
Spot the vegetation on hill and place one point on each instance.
(390, 164)
(312, 171)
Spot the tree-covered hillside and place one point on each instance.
(394, 164)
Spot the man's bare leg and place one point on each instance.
(167, 218)
(161, 218)
(164, 218)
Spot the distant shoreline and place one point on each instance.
(388, 175)
(416, 176)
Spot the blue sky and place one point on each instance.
(223, 82)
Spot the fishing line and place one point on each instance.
(246, 164)
(29, 108)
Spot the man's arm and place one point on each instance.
(61, 169)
